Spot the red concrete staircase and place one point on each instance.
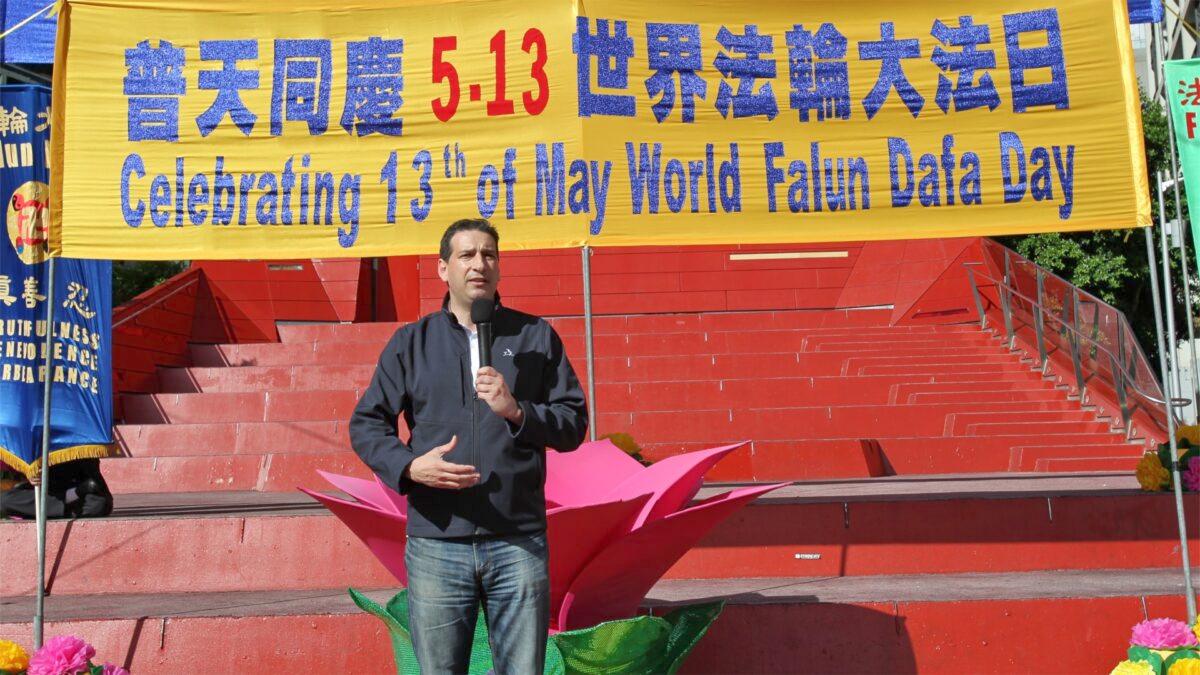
(952, 507)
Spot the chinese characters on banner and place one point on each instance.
(1183, 92)
(81, 400)
(225, 133)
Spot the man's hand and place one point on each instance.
(433, 470)
(491, 387)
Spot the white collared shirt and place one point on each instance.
(473, 347)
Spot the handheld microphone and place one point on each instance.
(482, 310)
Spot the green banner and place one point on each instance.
(1183, 91)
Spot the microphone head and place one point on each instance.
(482, 310)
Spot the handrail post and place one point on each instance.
(1006, 301)
(978, 299)
(1039, 322)
(1006, 307)
(1076, 348)
(1124, 362)
(1119, 385)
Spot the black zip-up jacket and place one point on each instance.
(424, 374)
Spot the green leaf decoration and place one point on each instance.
(395, 617)
(1136, 653)
(644, 644)
(1180, 655)
(1164, 456)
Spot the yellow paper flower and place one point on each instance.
(1133, 668)
(1191, 434)
(1151, 474)
(12, 658)
(1195, 629)
(1185, 667)
(625, 442)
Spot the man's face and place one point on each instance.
(473, 270)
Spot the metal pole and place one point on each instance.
(586, 251)
(39, 615)
(1162, 363)
(1174, 386)
(1183, 260)
(1169, 300)
(1189, 316)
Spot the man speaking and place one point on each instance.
(481, 417)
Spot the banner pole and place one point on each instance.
(39, 616)
(1160, 39)
(586, 268)
(1190, 320)
(1181, 520)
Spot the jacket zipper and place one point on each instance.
(474, 402)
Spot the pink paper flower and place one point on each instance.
(1158, 634)
(62, 655)
(615, 525)
(110, 669)
(1191, 475)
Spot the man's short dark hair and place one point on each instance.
(477, 224)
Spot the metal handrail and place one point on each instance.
(154, 303)
(1116, 362)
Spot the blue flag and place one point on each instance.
(81, 397)
(1145, 11)
(33, 42)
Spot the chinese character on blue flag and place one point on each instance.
(81, 397)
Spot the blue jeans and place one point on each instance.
(447, 581)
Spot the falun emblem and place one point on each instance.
(29, 221)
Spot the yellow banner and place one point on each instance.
(192, 129)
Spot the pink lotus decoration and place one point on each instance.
(614, 527)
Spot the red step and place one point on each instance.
(277, 354)
(904, 391)
(257, 406)
(1032, 457)
(900, 525)
(856, 342)
(254, 438)
(265, 378)
(897, 623)
(160, 461)
(1079, 464)
(983, 398)
(878, 421)
(960, 423)
(275, 472)
(338, 332)
(810, 459)
(803, 391)
(1038, 429)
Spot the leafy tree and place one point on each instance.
(1112, 264)
(135, 277)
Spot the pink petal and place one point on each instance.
(381, 530)
(367, 491)
(586, 475)
(577, 533)
(615, 582)
(671, 482)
